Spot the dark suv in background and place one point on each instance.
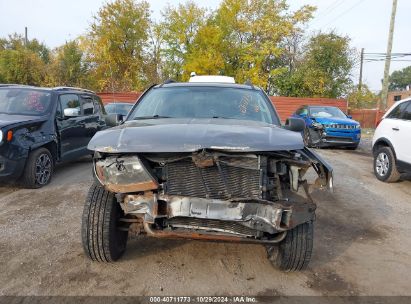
(42, 126)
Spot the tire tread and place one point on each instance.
(295, 250)
(393, 175)
(99, 234)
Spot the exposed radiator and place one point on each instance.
(233, 178)
(212, 226)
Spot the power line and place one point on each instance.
(386, 53)
(345, 12)
(396, 60)
(328, 9)
(398, 57)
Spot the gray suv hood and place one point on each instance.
(189, 135)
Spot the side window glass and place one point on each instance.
(70, 101)
(407, 112)
(98, 108)
(396, 113)
(87, 105)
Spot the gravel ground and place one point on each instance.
(361, 245)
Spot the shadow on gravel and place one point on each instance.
(343, 219)
(145, 246)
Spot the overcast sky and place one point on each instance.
(365, 21)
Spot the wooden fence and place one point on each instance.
(366, 117)
(129, 97)
(285, 106)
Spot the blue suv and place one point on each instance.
(328, 126)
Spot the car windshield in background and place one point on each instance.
(23, 101)
(117, 108)
(326, 112)
(205, 102)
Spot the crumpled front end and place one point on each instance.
(214, 195)
(323, 133)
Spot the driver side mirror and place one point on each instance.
(349, 116)
(71, 112)
(294, 124)
(113, 120)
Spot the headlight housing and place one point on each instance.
(317, 125)
(358, 126)
(1, 136)
(124, 174)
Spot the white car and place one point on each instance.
(391, 144)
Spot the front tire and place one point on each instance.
(385, 166)
(38, 170)
(294, 252)
(102, 239)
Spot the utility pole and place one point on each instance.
(384, 93)
(361, 65)
(26, 40)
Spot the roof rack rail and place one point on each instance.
(167, 81)
(73, 88)
(248, 82)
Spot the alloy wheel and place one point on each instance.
(43, 169)
(382, 164)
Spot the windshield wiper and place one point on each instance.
(151, 117)
(224, 117)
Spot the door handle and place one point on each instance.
(396, 129)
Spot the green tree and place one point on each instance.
(16, 42)
(180, 26)
(153, 65)
(206, 54)
(399, 80)
(23, 64)
(68, 67)
(115, 45)
(22, 67)
(361, 99)
(324, 70)
(253, 33)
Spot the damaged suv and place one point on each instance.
(205, 161)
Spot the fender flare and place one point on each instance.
(383, 141)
